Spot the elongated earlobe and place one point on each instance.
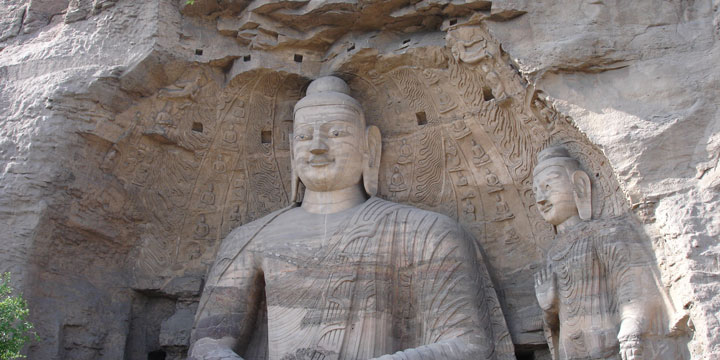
(294, 179)
(371, 159)
(582, 194)
(294, 187)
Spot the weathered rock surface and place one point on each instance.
(640, 81)
(122, 167)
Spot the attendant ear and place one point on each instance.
(294, 179)
(582, 194)
(371, 159)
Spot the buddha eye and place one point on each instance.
(302, 137)
(337, 132)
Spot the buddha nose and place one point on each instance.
(540, 197)
(318, 146)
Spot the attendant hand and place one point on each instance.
(631, 348)
(217, 354)
(545, 290)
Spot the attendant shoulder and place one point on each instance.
(614, 229)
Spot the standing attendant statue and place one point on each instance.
(597, 293)
(347, 275)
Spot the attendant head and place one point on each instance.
(562, 189)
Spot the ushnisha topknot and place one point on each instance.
(328, 84)
(555, 155)
(329, 90)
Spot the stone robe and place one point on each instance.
(603, 278)
(373, 280)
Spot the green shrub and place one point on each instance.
(15, 330)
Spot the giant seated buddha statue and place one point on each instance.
(342, 274)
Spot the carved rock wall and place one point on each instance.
(136, 135)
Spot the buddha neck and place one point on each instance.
(330, 202)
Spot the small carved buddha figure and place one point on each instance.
(462, 179)
(493, 182)
(236, 215)
(496, 84)
(219, 164)
(547, 116)
(469, 210)
(346, 275)
(480, 157)
(202, 229)
(460, 129)
(502, 209)
(597, 293)
(230, 135)
(406, 153)
(397, 182)
(208, 197)
(453, 159)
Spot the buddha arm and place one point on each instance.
(227, 309)
(448, 297)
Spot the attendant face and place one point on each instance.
(327, 147)
(554, 194)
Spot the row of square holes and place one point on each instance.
(266, 135)
(298, 58)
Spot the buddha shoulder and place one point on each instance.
(414, 218)
(241, 236)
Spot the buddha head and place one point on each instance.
(332, 149)
(562, 188)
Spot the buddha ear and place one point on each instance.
(371, 159)
(294, 179)
(582, 194)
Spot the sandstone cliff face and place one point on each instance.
(639, 79)
(106, 104)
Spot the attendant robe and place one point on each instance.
(603, 278)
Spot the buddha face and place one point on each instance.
(327, 147)
(554, 194)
